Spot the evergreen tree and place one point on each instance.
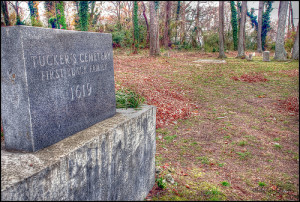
(136, 28)
(50, 13)
(234, 25)
(34, 13)
(253, 18)
(266, 23)
(83, 15)
(61, 20)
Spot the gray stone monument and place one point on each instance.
(266, 56)
(54, 83)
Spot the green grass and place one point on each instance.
(203, 159)
(261, 184)
(244, 155)
(126, 98)
(277, 139)
(242, 143)
(169, 138)
(233, 116)
(163, 131)
(214, 195)
(277, 146)
(225, 184)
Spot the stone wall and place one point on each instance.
(111, 160)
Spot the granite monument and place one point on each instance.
(266, 56)
(54, 83)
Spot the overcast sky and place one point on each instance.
(274, 13)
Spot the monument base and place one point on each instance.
(111, 160)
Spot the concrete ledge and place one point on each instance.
(111, 160)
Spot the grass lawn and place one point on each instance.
(225, 131)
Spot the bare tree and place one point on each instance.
(167, 23)
(280, 52)
(154, 34)
(292, 16)
(146, 20)
(182, 23)
(221, 30)
(118, 7)
(16, 7)
(183, 7)
(196, 33)
(295, 54)
(4, 11)
(260, 12)
(241, 48)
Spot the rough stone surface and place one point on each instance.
(54, 83)
(266, 56)
(112, 160)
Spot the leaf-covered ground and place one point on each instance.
(224, 131)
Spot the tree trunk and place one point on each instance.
(244, 28)
(196, 35)
(295, 54)
(5, 12)
(167, 23)
(239, 15)
(177, 16)
(292, 17)
(146, 20)
(280, 53)
(135, 28)
(260, 12)
(221, 30)
(154, 34)
(92, 13)
(289, 20)
(182, 24)
(241, 50)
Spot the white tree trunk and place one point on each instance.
(295, 54)
(154, 34)
(241, 49)
(280, 53)
(260, 11)
(221, 30)
(167, 23)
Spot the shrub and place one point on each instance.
(126, 98)
(289, 42)
(117, 37)
(211, 42)
(161, 183)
